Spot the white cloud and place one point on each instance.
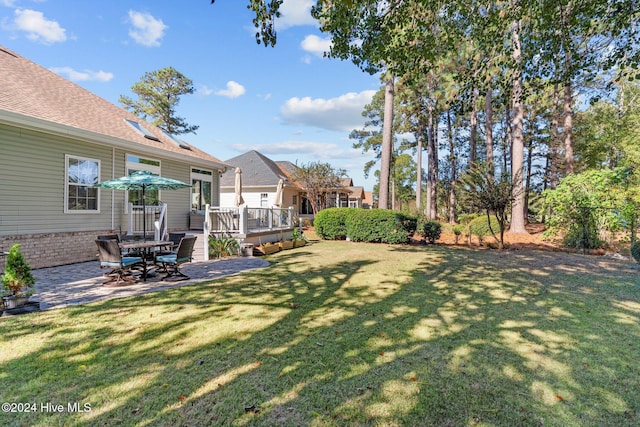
(83, 76)
(7, 3)
(38, 28)
(204, 90)
(342, 114)
(147, 30)
(316, 45)
(233, 90)
(295, 13)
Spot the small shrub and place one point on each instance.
(17, 278)
(479, 227)
(458, 229)
(223, 246)
(635, 251)
(465, 219)
(430, 230)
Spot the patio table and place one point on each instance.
(146, 247)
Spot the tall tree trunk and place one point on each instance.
(527, 185)
(555, 139)
(419, 171)
(508, 137)
(387, 144)
(474, 128)
(517, 150)
(432, 176)
(568, 129)
(394, 201)
(452, 161)
(488, 113)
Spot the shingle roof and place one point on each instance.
(27, 89)
(257, 170)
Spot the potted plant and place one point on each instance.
(267, 248)
(298, 238)
(286, 244)
(17, 279)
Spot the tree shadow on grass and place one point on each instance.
(445, 337)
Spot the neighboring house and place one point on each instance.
(56, 140)
(368, 202)
(260, 177)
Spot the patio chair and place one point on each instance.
(171, 262)
(111, 257)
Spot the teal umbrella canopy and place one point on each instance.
(142, 180)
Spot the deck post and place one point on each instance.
(243, 222)
(206, 228)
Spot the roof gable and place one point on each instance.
(32, 91)
(257, 170)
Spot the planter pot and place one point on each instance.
(14, 301)
(266, 250)
(299, 243)
(287, 244)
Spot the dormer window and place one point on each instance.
(137, 126)
(180, 143)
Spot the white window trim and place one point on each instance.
(66, 186)
(139, 167)
(201, 177)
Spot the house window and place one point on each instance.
(201, 188)
(135, 163)
(264, 200)
(294, 200)
(80, 174)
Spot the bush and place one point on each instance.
(365, 225)
(380, 226)
(223, 246)
(465, 219)
(17, 278)
(331, 224)
(635, 251)
(480, 227)
(458, 229)
(430, 230)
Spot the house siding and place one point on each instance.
(32, 183)
(32, 197)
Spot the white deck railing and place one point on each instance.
(243, 221)
(155, 218)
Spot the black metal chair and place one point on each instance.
(111, 257)
(171, 262)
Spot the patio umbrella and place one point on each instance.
(238, 188)
(279, 191)
(142, 180)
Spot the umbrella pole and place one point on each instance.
(144, 217)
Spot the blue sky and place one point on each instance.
(287, 102)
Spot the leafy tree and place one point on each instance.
(493, 196)
(319, 180)
(159, 93)
(587, 205)
(265, 14)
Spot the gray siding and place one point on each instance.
(32, 182)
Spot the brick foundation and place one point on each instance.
(51, 249)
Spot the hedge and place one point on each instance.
(365, 225)
(331, 224)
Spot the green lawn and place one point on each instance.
(346, 334)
